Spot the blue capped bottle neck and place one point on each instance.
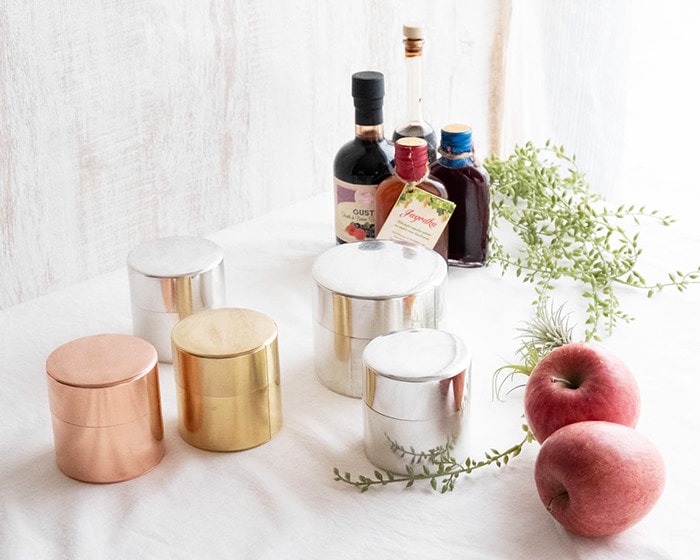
(456, 146)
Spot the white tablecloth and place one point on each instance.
(279, 500)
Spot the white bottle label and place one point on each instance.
(354, 211)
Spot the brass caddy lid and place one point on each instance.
(225, 352)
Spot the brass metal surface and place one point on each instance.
(227, 373)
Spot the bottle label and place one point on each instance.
(354, 211)
(417, 216)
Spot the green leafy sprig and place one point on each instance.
(567, 231)
(436, 466)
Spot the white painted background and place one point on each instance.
(125, 121)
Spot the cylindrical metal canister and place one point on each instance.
(366, 289)
(169, 279)
(106, 415)
(416, 399)
(227, 373)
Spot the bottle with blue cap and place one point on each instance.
(467, 185)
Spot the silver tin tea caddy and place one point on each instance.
(366, 289)
(416, 398)
(171, 278)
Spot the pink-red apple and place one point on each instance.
(576, 382)
(598, 478)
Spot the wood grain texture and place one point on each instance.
(125, 121)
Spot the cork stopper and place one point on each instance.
(413, 31)
(413, 40)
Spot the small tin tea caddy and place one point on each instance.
(169, 279)
(416, 398)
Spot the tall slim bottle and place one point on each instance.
(413, 123)
(363, 163)
(467, 185)
(411, 167)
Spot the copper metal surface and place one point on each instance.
(104, 397)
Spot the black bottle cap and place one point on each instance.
(368, 94)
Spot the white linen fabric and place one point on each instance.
(279, 500)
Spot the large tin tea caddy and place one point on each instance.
(366, 289)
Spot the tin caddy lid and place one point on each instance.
(370, 288)
(416, 374)
(175, 256)
(97, 380)
(379, 269)
(177, 274)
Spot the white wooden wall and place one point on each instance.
(125, 121)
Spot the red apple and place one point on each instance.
(576, 382)
(599, 478)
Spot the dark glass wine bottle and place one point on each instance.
(467, 185)
(413, 123)
(363, 163)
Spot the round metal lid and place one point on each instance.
(224, 333)
(379, 269)
(417, 355)
(103, 360)
(180, 275)
(416, 374)
(176, 256)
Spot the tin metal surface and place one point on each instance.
(363, 290)
(416, 396)
(169, 279)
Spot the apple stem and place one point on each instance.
(562, 380)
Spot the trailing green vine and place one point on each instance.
(445, 472)
(567, 231)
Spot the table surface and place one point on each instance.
(279, 500)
